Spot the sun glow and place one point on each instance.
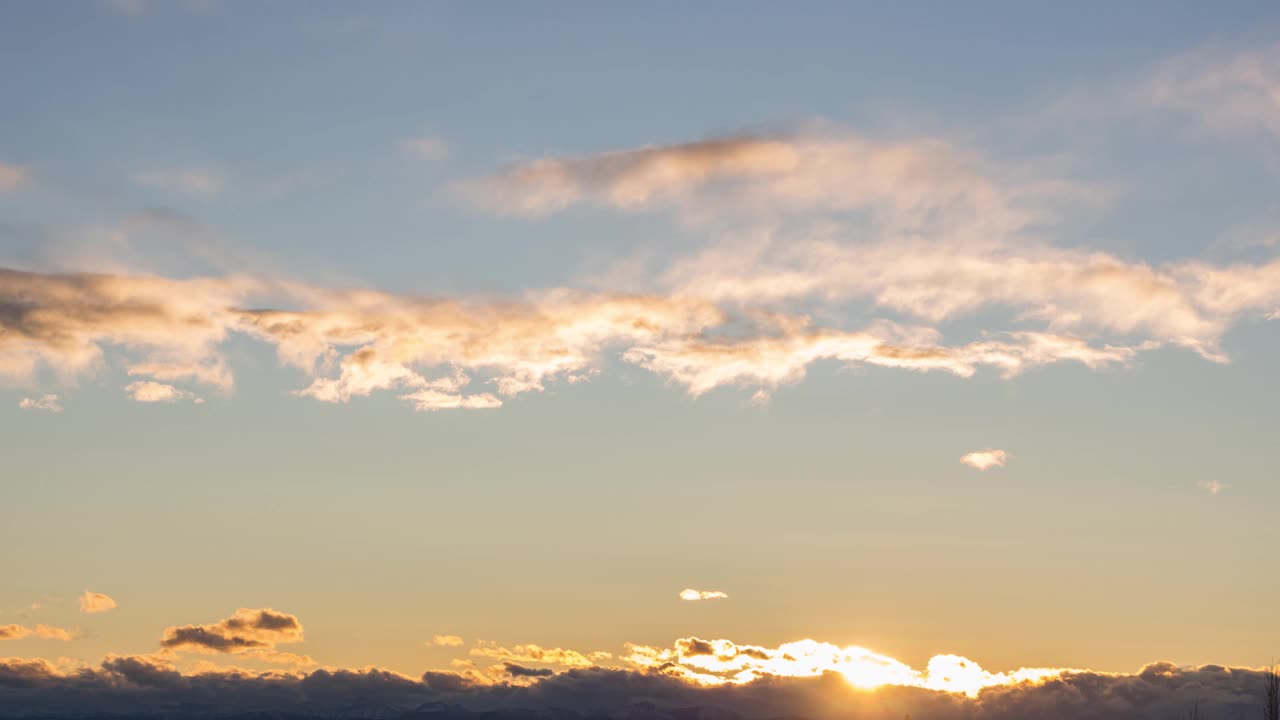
(719, 662)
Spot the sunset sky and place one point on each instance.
(411, 335)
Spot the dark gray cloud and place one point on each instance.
(147, 686)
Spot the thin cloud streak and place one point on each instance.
(694, 595)
(190, 181)
(45, 632)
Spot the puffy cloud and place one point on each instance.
(149, 391)
(65, 321)
(985, 459)
(96, 602)
(13, 177)
(48, 402)
(190, 181)
(691, 594)
(46, 632)
(446, 640)
(247, 630)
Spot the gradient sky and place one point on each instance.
(827, 252)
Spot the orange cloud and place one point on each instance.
(720, 662)
(95, 602)
(536, 654)
(247, 630)
(47, 632)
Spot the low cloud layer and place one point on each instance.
(146, 685)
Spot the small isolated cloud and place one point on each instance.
(691, 594)
(191, 181)
(47, 402)
(985, 459)
(148, 391)
(1213, 487)
(96, 602)
(47, 632)
(446, 640)
(426, 148)
(254, 632)
(13, 177)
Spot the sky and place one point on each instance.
(401, 338)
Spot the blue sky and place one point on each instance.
(512, 321)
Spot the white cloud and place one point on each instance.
(95, 602)
(692, 594)
(985, 459)
(48, 402)
(148, 391)
(191, 181)
(446, 640)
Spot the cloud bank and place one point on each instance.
(918, 236)
(146, 686)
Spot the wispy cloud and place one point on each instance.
(1228, 90)
(189, 181)
(985, 459)
(446, 640)
(46, 632)
(13, 177)
(47, 402)
(1213, 487)
(429, 147)
(96, 602)
(692, 594)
